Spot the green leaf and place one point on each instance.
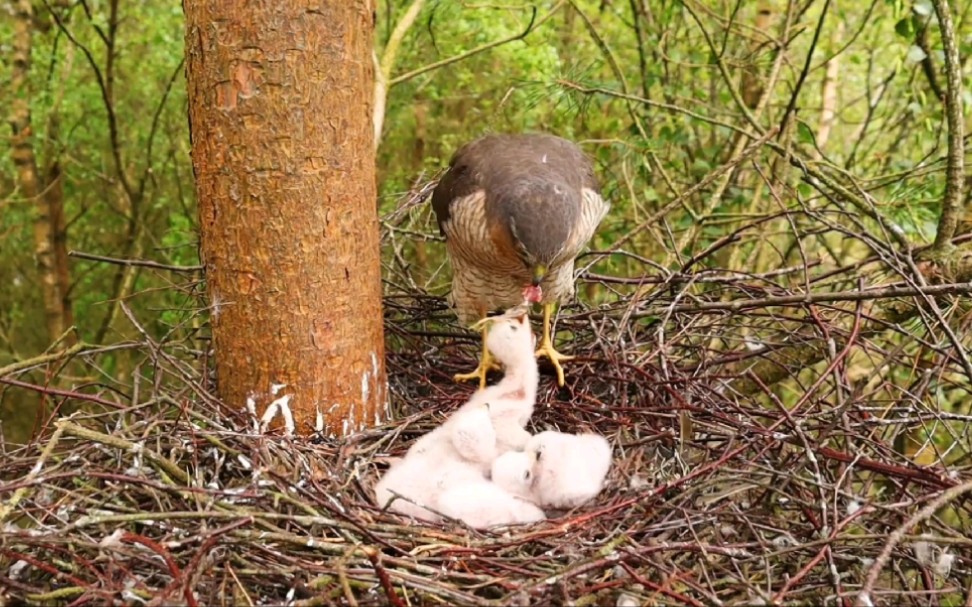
(905, 28)
(804, 134)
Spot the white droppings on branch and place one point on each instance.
(251, 409)
(931, 555)
(216, 306)
(112, 540)
(943, 565)
(281, 406)
(753, 345)
(365, 388)
(36, 468)
(17, 570)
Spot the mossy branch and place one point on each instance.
(955, 171)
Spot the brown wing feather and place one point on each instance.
(496, 161)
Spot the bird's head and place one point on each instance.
(540, 215)
(513, 472)
(509, 337)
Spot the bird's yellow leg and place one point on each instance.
(486, 364)
(546, 345)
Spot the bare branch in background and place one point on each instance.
(384, 67)
(532, 25)
(791, 105)
(927, 63)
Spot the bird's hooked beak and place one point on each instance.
(539, 272)
(533, 293)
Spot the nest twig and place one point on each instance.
(781, 489)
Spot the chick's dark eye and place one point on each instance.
(514, 327)
(526, 475)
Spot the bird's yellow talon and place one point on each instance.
(546, 349)
(546, 346)
(486, 364)
(479, 373)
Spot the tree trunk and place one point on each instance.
(280, 115)
(829, 92)
(29, 180)
(54, 199)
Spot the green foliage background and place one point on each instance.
(643, 150)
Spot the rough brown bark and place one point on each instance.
(280, 113)
(54, 199)
(29, 180)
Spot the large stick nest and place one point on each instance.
(725, 489)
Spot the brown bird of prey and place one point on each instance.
(515, 211)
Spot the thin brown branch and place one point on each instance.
(42, 359)
(134, 262)
(812, 298)
(386, 64)
(532, 25)
(943, 499)
(105, 80)
(791, 104)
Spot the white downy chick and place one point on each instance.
(556, 470)
(570, 468)
(481, 504)
(511, 400)
(421, 478)
(429, 488)
(459, 453)
(513, 472)
(467, 435)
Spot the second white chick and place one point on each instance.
(555, 470)
(428, 487)
(482, 504)
(413, 486)
(457, 452)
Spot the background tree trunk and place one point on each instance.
(30, 182)
(280, 114)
